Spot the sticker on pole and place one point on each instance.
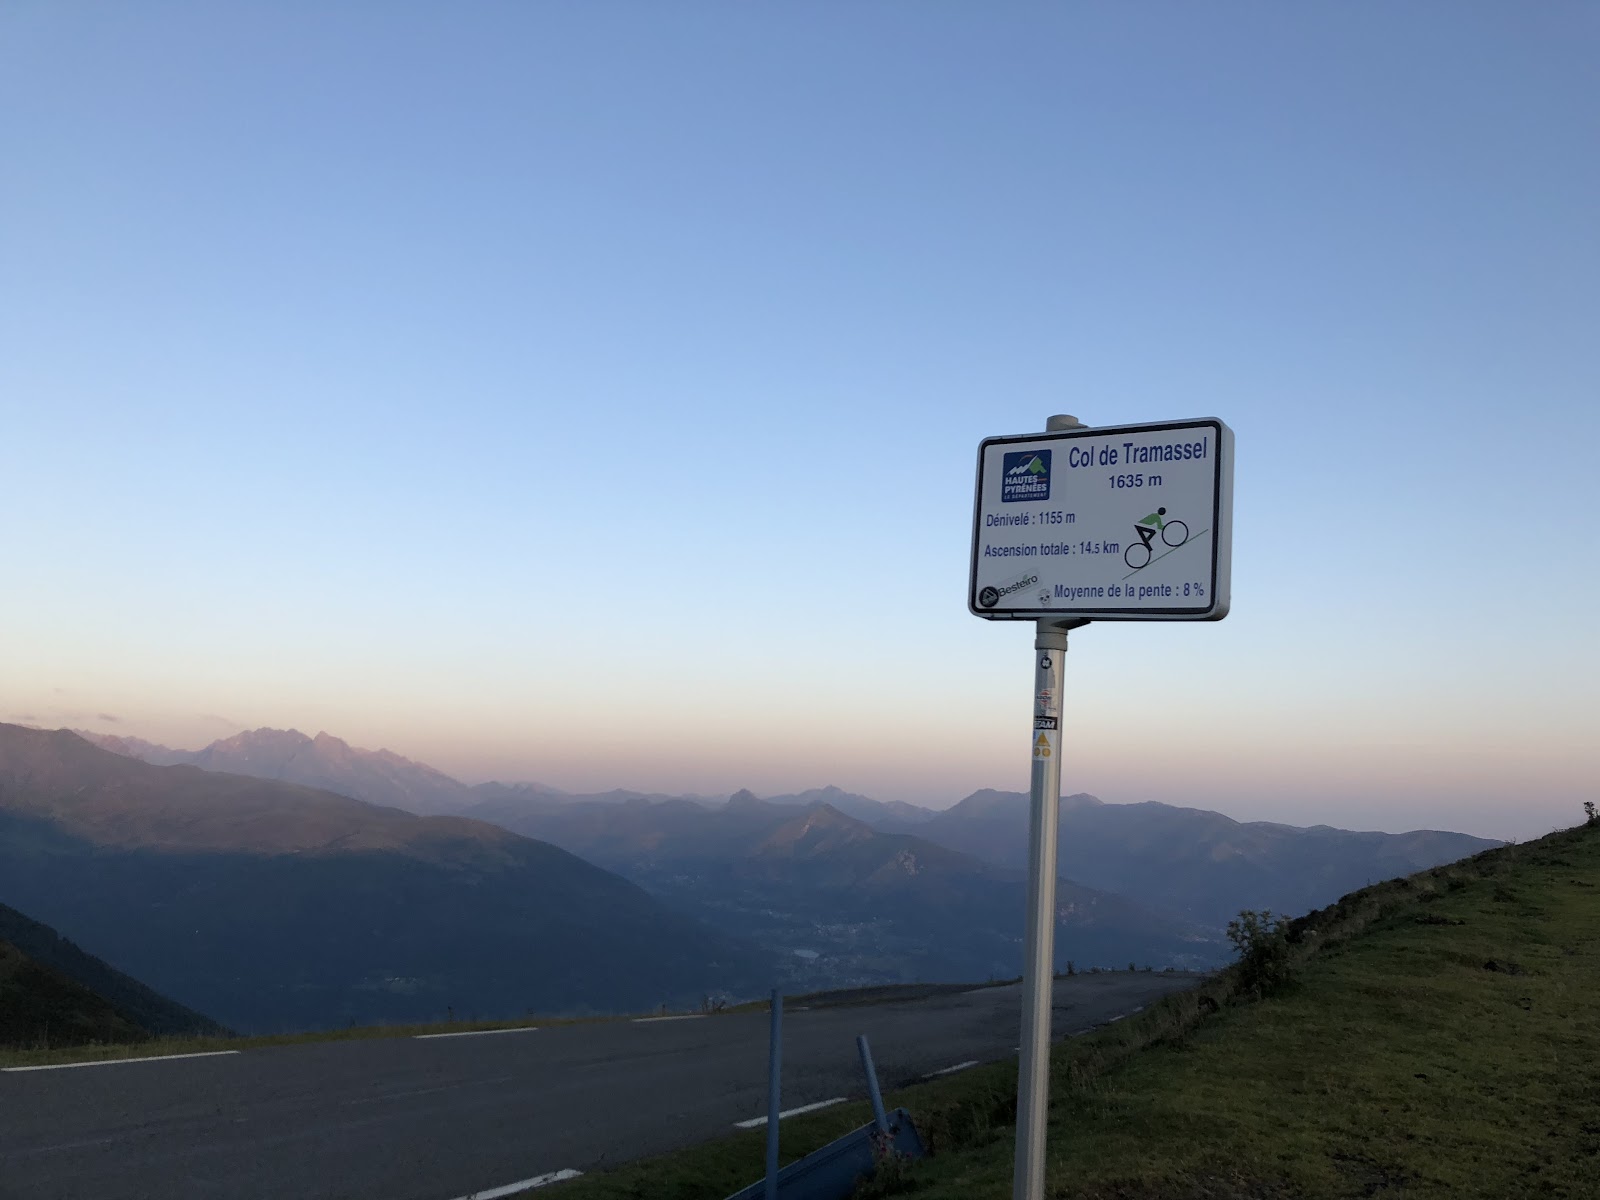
(1044, 743)
(1125, 523)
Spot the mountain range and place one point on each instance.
(845, 902)
(852, 889)
(1189, 863)
(275, 906)
(324, 761)
(1194, 863)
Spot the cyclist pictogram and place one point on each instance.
(1173, 533)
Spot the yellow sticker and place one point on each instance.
(1044, 744)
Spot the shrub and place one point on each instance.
(1590, 815)
(1261, 940)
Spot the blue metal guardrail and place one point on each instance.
(832, 1172)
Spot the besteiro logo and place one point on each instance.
(1025, 476)
(990, 596)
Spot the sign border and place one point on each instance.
(1221, 505)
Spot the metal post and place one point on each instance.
(774, 1098)
(878, 1115)
(1033, 1080)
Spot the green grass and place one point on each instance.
(1395, 1064)
(36, 998)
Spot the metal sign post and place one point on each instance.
(1129, 523)
(1038, 973)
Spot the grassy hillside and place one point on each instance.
(138, 1011)
(1438, 1039)
(39, 1006)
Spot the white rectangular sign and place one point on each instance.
(1123, 523)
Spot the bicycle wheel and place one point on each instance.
(1138, 551)
(1166, 533)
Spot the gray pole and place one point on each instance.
(774, 1078)
(1038, 979)
(873, 1094)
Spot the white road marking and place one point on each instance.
(422, 1037)
(681, 1017)
(522, 1185)
(960, 1066)
(756, 1122)
(109, 1062)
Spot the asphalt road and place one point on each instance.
(440, 1118)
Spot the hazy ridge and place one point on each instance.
(1195, 863)
(274, 906)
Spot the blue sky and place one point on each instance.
(591, 392)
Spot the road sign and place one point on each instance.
(1119, 523)
(1125, 523)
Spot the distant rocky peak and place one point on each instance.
(128, 747)
(823, 820)
(389, 756)
(264, 739)
(745, 798)
(814, 830)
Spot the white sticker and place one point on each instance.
(1044, 743)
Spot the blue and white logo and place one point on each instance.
(1025, 475)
